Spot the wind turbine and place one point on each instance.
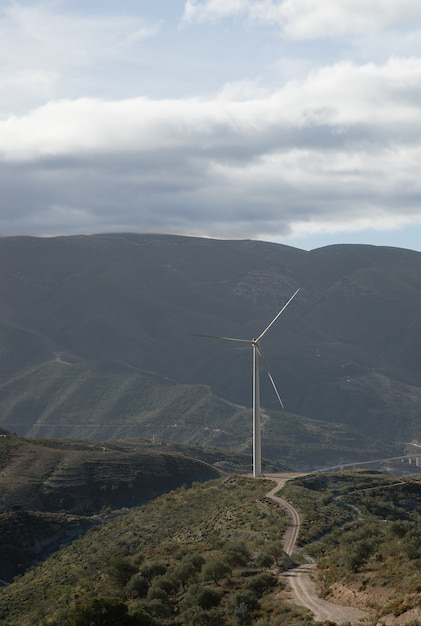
(257, 354)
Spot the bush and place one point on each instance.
(121, 570)
(236, 553)
(167, 582)
(204, 597)
(215, 570)
(137, 587)
(265, 560)
(261, 584)
(195, 616)
(151, 570)
(156, 593)
(241, 606)
(102, 612)
(187, 569)
(157, 608)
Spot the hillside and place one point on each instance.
(97, 343)
(212, 554)
(81, 477)
(363, 529)
(51, 492)
(180, 543)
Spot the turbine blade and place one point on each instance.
(265, 363)
(247, 341)
(276, 317)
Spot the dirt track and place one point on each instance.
(302, 586)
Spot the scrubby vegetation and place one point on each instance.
(211, 555)
(27, 537)
(194, 556)
(364, 530)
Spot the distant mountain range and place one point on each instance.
(97, 342)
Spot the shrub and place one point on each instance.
(241, 606)
(137, 586)
(156, 593)
(215, 570)
(157, 608)
(152, 569)
(265, 560)
(204, 597)
(167, 582)
(195, 616)
(187, 569)
(236, 553)
(261, 584)
(102, 612)
(121, 570)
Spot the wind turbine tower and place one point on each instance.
(257, 355)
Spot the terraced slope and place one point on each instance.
(80, 477)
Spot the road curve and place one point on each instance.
(302, 586)
(291, 534)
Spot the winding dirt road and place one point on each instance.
(299, 578)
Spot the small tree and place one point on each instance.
(121, 570)
(204, 597)
(137, 586)
(185, 572)
(265, 560)
(241, 605)
(215, 570)
(261, 584)
(152, 569)
(236, 553)
(188, 567)
(167, 582)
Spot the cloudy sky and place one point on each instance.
(295, 121)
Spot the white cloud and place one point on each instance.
(345, 103)
(309, 19)
(212, 10)
(341, 147)
(306, 19)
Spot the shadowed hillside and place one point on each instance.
(81, 477)
(51, 492)
(96, 336)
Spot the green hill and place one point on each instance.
(211, 554)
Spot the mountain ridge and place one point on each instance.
(345, 351)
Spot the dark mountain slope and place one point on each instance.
(96, 331)
(81, 477)
(51, 492)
